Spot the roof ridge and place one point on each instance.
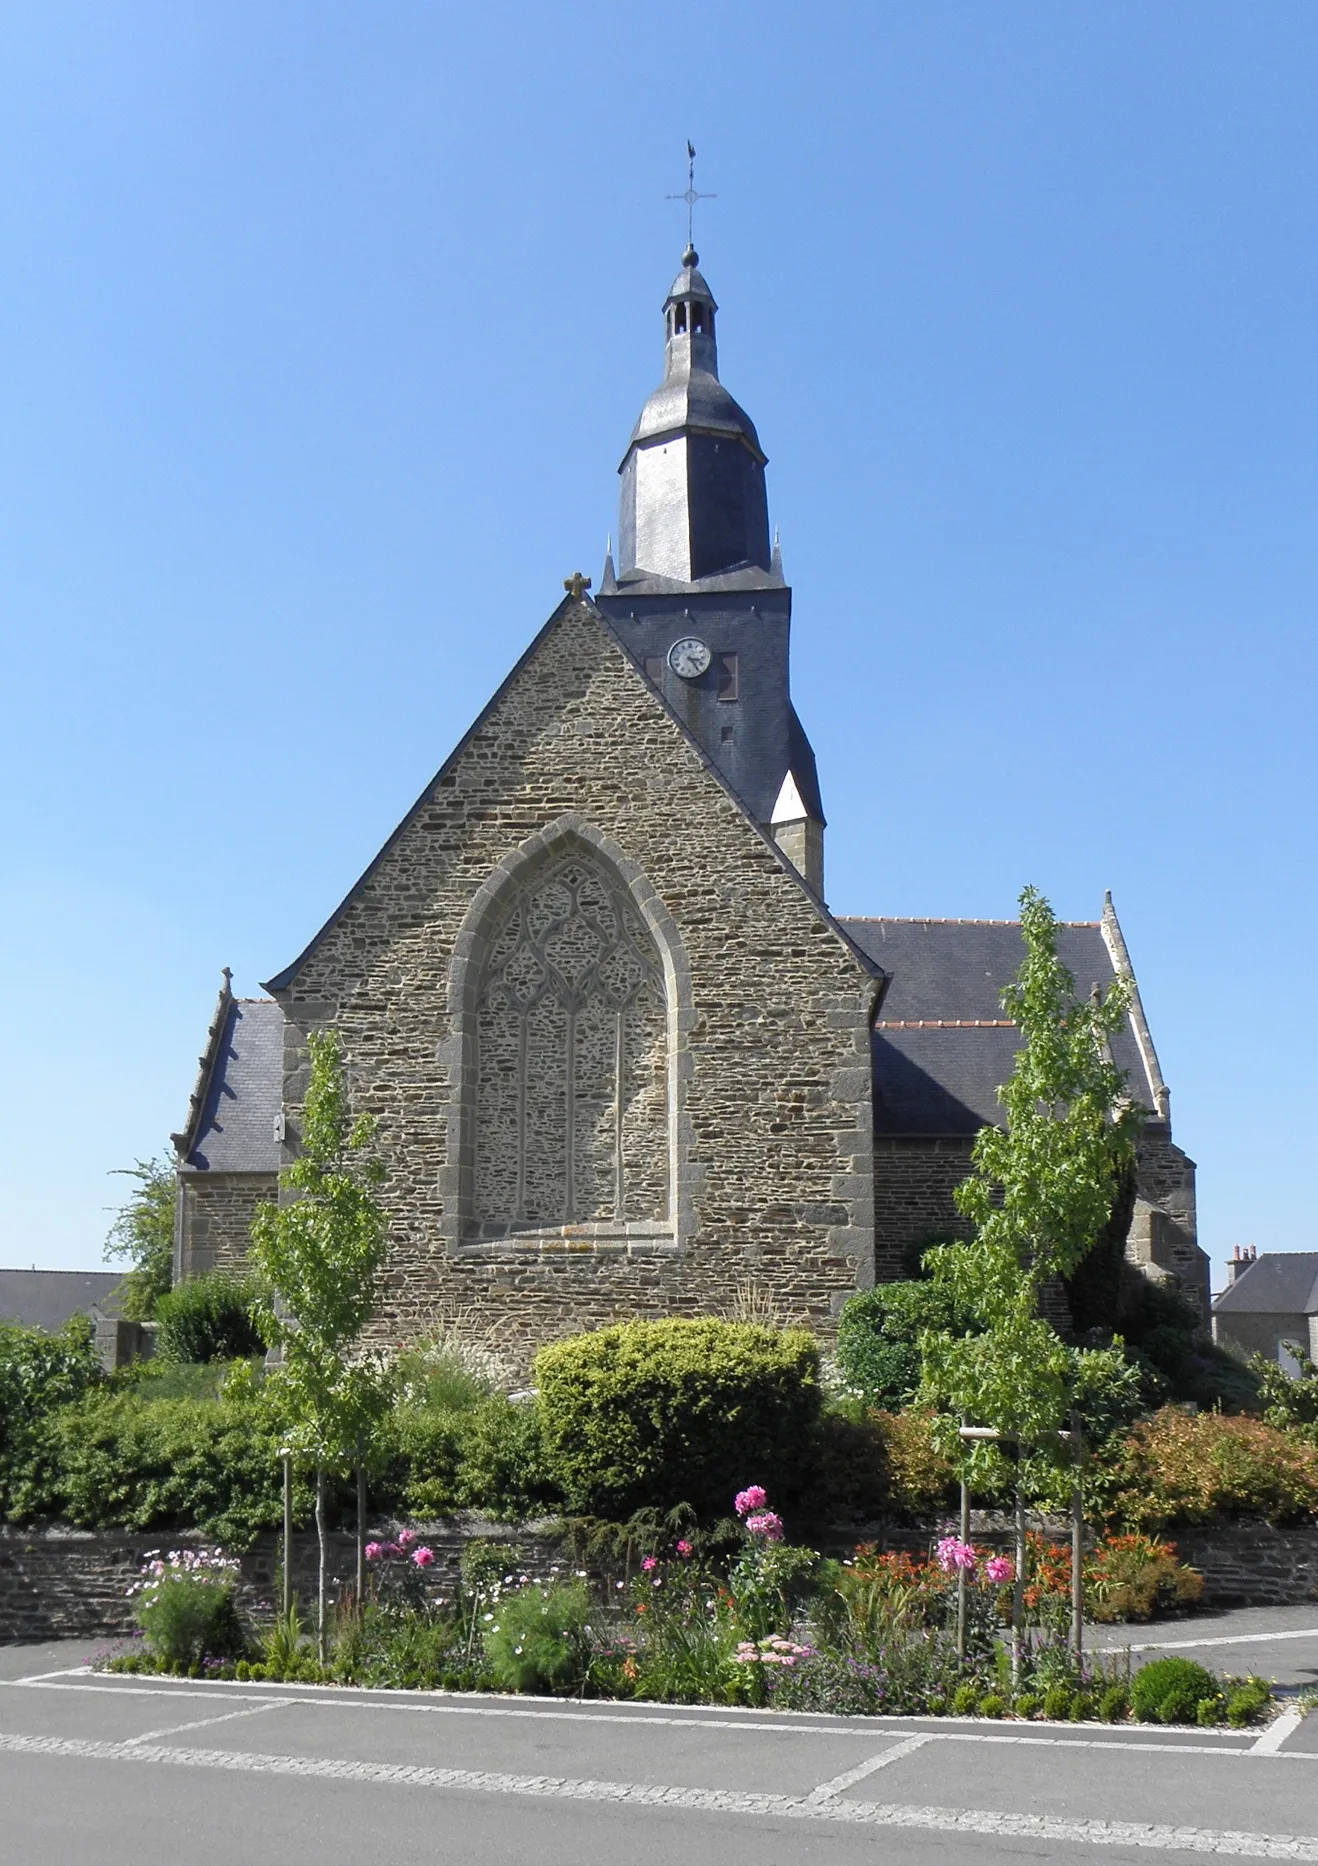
(945, 920)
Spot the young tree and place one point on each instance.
(143, 1231)
(319, 1254)
(1039, 1197)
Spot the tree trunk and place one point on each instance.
(322, 1628)
(1018, 1589)
(361, 1531)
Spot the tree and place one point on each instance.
(319, 1254)
(1039, 1196)
(143, 1231)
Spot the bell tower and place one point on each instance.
(698, 592)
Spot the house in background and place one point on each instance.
(48, 1298)
(1270, 1306)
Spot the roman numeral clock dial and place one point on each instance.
(689, 658)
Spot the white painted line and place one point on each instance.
(827, 1790)
(1277, 1732)
(1147, 1835)
(37, 1678)
(1193, 1645)
(390, 1702)
(253, 1710)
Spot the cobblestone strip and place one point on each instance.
(1141, 1834)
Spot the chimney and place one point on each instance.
(1241, 1260)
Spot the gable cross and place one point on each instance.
(576, 585)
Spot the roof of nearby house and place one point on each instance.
(942, 1042)
(232, 1119)
(47, 1298)
(1278, 1283)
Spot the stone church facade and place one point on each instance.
(623, 1058)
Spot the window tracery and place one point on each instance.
(571, 1098)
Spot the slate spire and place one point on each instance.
(693, 500)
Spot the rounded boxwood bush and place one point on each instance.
(652, 1414)
(1171, 1691)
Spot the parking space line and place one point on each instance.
(1160, 1837)
(827, 1790)
(1277, 1732)
(1224, 1639)
(39, 1678)
(252, 1710)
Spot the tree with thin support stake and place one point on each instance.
(1039, 1197)
(320, 1253)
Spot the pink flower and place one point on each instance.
(423, 1557)
(406, 1537)
(684, 1549)
(389, 1550)
(649, 1564)
(766, 1524)
(999, 1568)
(747, 1500)
(953, 1554)
(373, 1551)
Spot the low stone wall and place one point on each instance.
(59, 1582)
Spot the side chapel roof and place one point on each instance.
(235, 1106)
(942, 1043)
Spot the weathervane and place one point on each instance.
(691, 195)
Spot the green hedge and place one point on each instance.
(878, 1336)
(209, 1318)
(652, 1414)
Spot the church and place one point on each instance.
(625, 1062)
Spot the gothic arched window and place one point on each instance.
(571, 1057)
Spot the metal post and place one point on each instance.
(961, 1578)
(1077, 1541)
(287, 1601)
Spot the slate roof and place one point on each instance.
(47, 1298)
(942, 1043)
(231, 1128)
(1278, 1283)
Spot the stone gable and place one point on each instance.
(618, 1052)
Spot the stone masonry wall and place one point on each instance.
(769, 1102)
(57, 1583)
(64, 1583)
(216, 1211)
(914, 1180)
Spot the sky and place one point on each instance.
(322, 330)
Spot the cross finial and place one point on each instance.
(691, 195)
(576, 585)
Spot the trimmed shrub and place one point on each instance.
(213, 1465)
(1171, 1691)
(39, 1373)
(1057, 1703)
(878, 1353)
(1188, 1466)
(209, 1318)
(993, 1704)
(1114, 1704)
(652, 1414)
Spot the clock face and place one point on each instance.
(689, 657)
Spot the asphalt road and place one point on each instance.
(121, 1771)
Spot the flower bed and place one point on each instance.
(772, 1624)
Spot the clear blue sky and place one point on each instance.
(322, 330)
